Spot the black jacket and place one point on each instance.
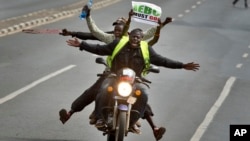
(130, 57)
(86, 35)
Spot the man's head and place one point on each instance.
(120, 20)
(118, 29)
(135, 37)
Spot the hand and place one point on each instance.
(167, 20)
(65, 32)
(73, 43)
(191, 66)
(87, 9)
(131, 13)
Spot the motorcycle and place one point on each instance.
(117, 115)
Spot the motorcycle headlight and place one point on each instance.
(124, 89)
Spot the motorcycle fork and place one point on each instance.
(128, 119)
(115, 115)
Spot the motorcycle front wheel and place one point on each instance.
(111, 137)
(121, 125)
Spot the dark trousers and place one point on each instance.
(88, 96)
(103, 98)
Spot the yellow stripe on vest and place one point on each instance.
(122, 43)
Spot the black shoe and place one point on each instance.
(158, 133)
(246, 6)
(64, 116)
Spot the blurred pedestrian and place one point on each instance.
(235, 1)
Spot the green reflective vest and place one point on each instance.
(122, 43)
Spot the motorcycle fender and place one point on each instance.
(123, 107)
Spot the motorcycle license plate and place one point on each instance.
(131, 100)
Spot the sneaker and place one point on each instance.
(134, 129)
(100, 123)
(64, 116)
(158, 133)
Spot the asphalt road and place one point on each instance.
(45, 75)
(14, 8)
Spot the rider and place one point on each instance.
(148, 115)
(132, 48)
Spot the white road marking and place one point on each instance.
(180, 15)
(210, 115)
(245, 55)
(193, 7)
(239, 65)
(187, 11)
(33, 84)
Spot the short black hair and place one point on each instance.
(137, 30)
(120, 20)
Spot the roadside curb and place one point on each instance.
(52, 18)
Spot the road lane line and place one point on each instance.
(187, 11)
(245, 55)
(180, 15)
(56, 14)
(239, 65)
(198, 2)
(211, 113)
(33, 84)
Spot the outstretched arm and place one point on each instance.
(151, 32)
(98, 33)
(167, 21)
(98, 49)
(158, 30)
(81, 35)
(127, 25)
(157, 34)
(159, 60)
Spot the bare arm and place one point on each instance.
(127, 25)
(150, 32)
(158, 30)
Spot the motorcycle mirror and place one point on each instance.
(100, 60)
(154, 69)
